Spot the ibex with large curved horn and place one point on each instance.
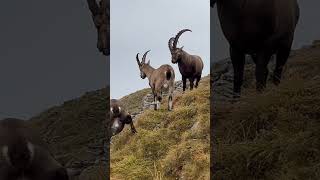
(190, 66)
(161, 79)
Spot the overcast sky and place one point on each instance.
(307, 30)
(48, 55)
(140, 25)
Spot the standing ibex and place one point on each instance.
(260, 29)
(190, 66)
(24, 155)
(160, 79)
(119, 117)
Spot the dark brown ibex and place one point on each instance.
(190, 66)
(258, 28)
(24, 155)
(119, 117)
(161, 79)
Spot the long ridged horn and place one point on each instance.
(170, 43)
(177, 37)
(138, 61)
(144, 57)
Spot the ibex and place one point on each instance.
(260, 29)
(190, 66)
(24, 156)
(161, 79)
(119, 117)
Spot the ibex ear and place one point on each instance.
(148, 62)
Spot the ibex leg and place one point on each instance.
(184, 81)
(191, 83)
(197, 81)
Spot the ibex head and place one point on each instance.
(115, 111)
(176, 52)
(142, 65)
(119, 122)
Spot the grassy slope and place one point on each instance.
(133, 101)
(168, 144)
(275, 135)
(73, 126)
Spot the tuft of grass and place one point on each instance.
(168, 145)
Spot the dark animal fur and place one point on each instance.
(25, 155)
(259, 28)
(190, 66)
(119, 117)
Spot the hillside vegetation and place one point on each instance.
(168, 145)
(276, 134)
(76, 133)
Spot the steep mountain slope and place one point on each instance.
(168, 145)
(273, 135)
(76, 133)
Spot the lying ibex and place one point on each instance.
(161, 79)
(119, 117)
(25, 156)
(260, 29)
(190, 66)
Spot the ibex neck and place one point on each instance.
(148, 71)
(184, 57)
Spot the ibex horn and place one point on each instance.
(144, 57)
(177, 37)
(138, 61)
(170, 43)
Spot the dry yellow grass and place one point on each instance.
(273, 135)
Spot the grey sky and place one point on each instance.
(140, 25)
(48, 55)
(307, 30)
